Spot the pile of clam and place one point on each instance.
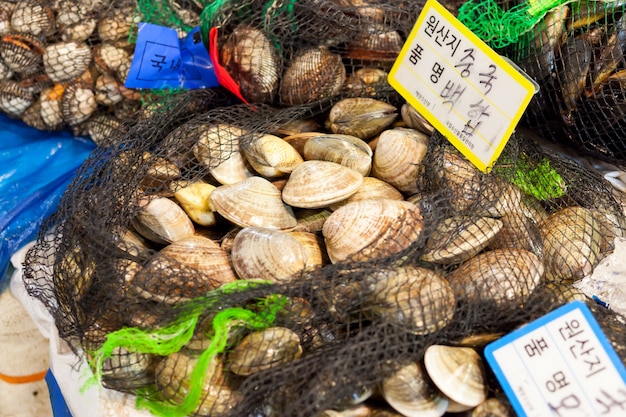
(63, 64)
(280, 204)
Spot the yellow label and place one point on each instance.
(468, 92)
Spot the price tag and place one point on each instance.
(560, 365)
(162, 60)
(468, 92)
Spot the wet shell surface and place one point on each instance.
(163, 221)
(315, 74)
(253, 202)
(398, 157)
(571, 244)
(271, 156)
(317, 184)
(410, 392)
(459, 238)
(346, 150)
(458, 372)
(260, 253)
(195, 199)
(263, 350)
(371, 189)
(361, 117)
(184, 269)
(416, 299)
(65, 61)
(501, 276)
(413, 119)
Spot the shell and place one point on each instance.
(218, 149)
(65, 61)
(33, 16)
(161, 220)
(409, 391)
(103, 128)
(459, 238)
(316, 184)
(14, 99)
(22, 52)
(116, 24)
(313, 244)
(370, 229)
(108, 57)
(458, 372)
(6, 9)
(371, 189)
(166, 276)
(78, 103)
(50, 99)
(267, 254)
(398, 158)
(366, 82)
(463, 181)
(252, 60)
(32, 116)
(107, 90)
(413, 119)
(298, 140)
(264, 349)
(5, 72)
(346, 150)
(173, 379)
(253, 202)
(314, 74)
(361, 117)
(571, 244)
(311, 220)
(271, 156)
(520, 232)
(491, 407)
(73, 21)
(417, 300)
(195, 199)
(375, 47)
(504, 277)
(158, 172)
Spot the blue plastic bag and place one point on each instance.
(35, 169)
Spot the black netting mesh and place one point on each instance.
(450, 257)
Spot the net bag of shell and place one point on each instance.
(252, 261)
(575, 52)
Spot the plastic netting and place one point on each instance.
(300, 304)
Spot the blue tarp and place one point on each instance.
(35, 169)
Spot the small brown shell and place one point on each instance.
(22, 52)
(520, 232)
(361, 117)
(108, 57)
(161, 220)
(316, 184)
(33, 16)
(104, 128)
(271, 156)
(253, 202)
(116, 24)
(376, 47)
(78, 103)
(51, 113)
(65, 61)
(371, 189)
(370, 229)
(264, 349)
(14, 99)
(502, 276)
(314, 74)
(108, 90)
(413, 119)
(416, 299)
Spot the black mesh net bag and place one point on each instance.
(268, 261)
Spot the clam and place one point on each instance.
(611, 225)
(33, 16)
(161, 220)
(361, 117)
(375, 46)
(459, 238)
(173, 380)
(159, 171)
(73, 21)
(132, 243)
(218, 149)
(501, 276)
(459, 374)
(413, 119)
(22, 52)
(298, 140)
(519, 232)
(107, 90)
(6, 9)
(195, 199)
(409, 391)
(271, 156)
(370, 229)
(14, 99)
(316, 184)
(78, 103)
(103, 128)
(116, 23)
(108, 57)
(263, 350)
(50, 99)
(313, 244)
(491, 407)
(314, 74)
(463, 181)
(252, 60)
(65, 61)
(571, 244)
(311, 220)
(366, 82)
(184, 269)
(267, 254)
(253, 202)
(5, 72)
(398, 157)
(416, 299)
(32, 116)
(346, 150)
(371, 189)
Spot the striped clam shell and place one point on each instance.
(65, 61)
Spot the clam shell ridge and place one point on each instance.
(369, 229)
(253, 202)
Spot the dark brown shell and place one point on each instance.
(376, 47)
(315, 74)
(22, 52)
(14, 99)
